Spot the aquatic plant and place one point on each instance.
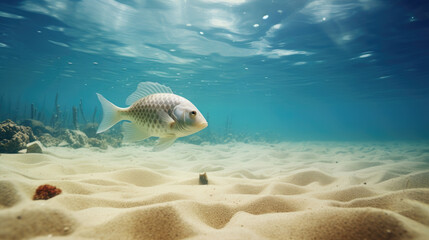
(228, 126)
(56, 116)
(33, 111)
(75, 118)
(81, 112)
(94, 114)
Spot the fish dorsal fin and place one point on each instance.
(145, 89)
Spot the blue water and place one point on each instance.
(285, 70)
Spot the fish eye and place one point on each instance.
(192, 114)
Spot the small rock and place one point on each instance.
(34, 147)
(203, 179)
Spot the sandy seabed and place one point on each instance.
(304, 190)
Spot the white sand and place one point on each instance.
(300, 191)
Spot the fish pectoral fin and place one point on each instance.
(166, 119)
(164, 143)
(132, 132)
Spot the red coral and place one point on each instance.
(44, 192)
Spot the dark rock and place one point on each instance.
(203, 179)
(75, 138)
(100, 143)
(14, 137)
(34, 147)
(49, 141)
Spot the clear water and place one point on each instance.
(271, 70)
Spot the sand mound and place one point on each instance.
(32, 221)
(255, 191)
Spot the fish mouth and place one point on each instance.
(204, 125)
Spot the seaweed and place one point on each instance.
(228, 126)
(94, 114)
(1, 106)
(81, 112)
(56, 118)
(32, 111)
(9, 112)
(17, 108)
(75, 118)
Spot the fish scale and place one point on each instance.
(144, 111)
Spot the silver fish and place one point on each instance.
(154, 112)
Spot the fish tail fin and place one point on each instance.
(111, 114)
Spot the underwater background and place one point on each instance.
(257, 70)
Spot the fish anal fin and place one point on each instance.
(133, 132)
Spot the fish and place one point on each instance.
(154, 111)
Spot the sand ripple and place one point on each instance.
(255, 191)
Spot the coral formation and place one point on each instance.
(44, 192)
(38, 127)
(14, 137)
(75, 138)
(49, 141)
(100, 143)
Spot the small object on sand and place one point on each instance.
(203, 179)
(44, 192)
(34, 147)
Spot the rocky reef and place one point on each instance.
(14, 137)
